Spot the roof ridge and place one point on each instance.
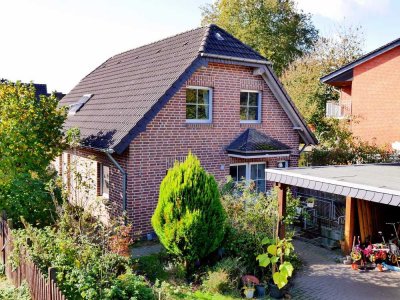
(205, 38)
(163, 39)
(232, 36)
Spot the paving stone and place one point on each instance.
(323, 278)
(146, 250)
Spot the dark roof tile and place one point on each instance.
(128, 87)
(254, 142)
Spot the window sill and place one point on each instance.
(195, 125)
(248, 124)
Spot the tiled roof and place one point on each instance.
(253, 142)
(130, 88)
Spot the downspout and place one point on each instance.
(108, 152)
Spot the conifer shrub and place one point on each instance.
(189, 219)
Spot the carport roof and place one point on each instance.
(373, 182)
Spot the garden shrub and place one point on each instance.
(189, 219)
(77, 247)
(217, 282)
(251, 217)
(152, 266)
(15, 293)
(234, 267)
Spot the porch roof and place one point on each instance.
(373, 182)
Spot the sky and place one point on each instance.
(58, 42)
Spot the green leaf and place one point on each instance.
(279, 279)
(266, 241)
(287, 267)
(272, 250)
(263, 260)
(274, 259)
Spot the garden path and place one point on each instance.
(322, 278)
(146, 249)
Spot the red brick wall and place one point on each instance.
(169, 136)
(376, 98)
(345, 100)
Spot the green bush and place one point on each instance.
(77, 247)
(251, 217)
(129, 286)
(189, 219)
(15, 293)
(152, 266)
(217, 282)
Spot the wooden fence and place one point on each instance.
(41, 288)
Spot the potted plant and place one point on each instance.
(260, 290)
(274, 257)
(248, 289)
(310, 202)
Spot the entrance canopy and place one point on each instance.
(375, 182)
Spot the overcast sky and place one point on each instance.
(58, 42)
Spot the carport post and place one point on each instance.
(282, 189)
(349, 223)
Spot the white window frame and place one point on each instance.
(105, 195)
(257, 163)
(259, 103)
(210, 107)
(248, 168)
(240, 164)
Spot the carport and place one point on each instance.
(372, 194)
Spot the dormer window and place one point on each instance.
(198, 105)
(250, 107)
(75, 107)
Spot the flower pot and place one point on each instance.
(379, 267)
(260, 291)
(248, 293)
(310, 204)
(274, 291)
(354, 266)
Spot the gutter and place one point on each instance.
(108, 152)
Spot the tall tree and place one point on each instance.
(275, 28)
(302, 78)
(30, 138)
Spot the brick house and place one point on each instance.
(202, 91)
(369, 94)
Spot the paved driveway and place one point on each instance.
(322, 278)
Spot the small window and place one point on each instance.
(257, 174)
(250, 107)
(198, 105)
(75, 107)
(238, 172)
(104, 181)
(283, 164)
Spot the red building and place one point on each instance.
(202, 91)
(370, 94)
